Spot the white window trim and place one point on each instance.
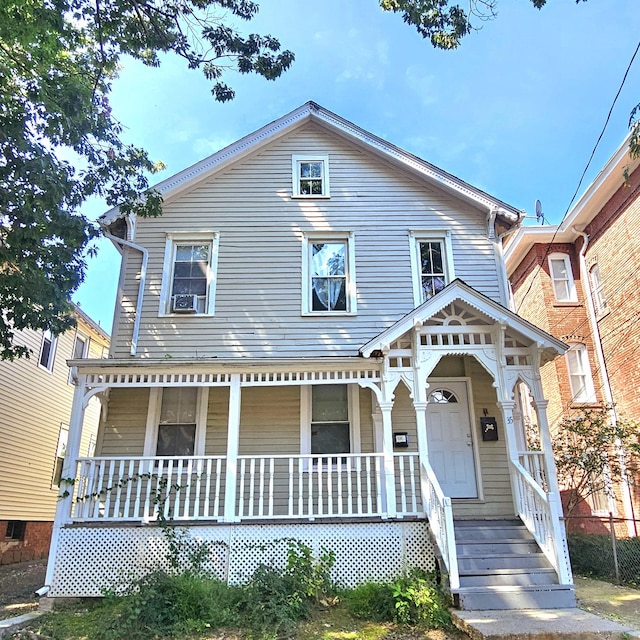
(331, 236)
(153, 421)
(52, 352)
(416, 236)
(295, 178)
(590, 391)
(353, 398)
(195, 237)
(64, 429)
(571, 284)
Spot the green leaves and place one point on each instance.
(60, 142)
(592, 452)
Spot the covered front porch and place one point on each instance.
(430, 432)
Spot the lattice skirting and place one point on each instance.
(91, 559)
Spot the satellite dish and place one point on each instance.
(539, 214)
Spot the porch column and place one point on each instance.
(387, 450)
(506, 409)
(233, 443)
(423, 448)
(65, 504)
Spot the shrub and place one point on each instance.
(410, 599)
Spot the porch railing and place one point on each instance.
(309, 486)
(187, 488)
(440, 515)
(538, 514)
(533, 462)
(266, 487)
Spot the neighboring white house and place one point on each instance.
(314, 341)
(36, 395)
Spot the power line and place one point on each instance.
(555, 233)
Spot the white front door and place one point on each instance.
(450, 440)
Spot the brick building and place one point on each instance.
(579, 281)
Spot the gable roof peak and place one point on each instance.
(312, 111)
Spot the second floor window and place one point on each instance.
(564, 288)
(328, 274)
(432, 263)
(432, 271)
(189, 281)
(177, 428)
(47, 350)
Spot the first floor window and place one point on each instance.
(330, 420)
(330, 427)
(564, 288)
(188, 285)
(47, 350)
(61, 450)
(177, 427)
(580, 379)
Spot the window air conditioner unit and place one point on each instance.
(185, 303)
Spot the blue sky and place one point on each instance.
(516, 110)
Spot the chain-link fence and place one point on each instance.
(611, 552)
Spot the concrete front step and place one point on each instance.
(539, 624)
(489, 598)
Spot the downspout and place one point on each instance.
(606, 387)
(143, 276)
(503, 278)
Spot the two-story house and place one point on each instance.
(36, 395)
(313, 341)
(578, 280)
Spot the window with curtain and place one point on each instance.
(177, 426)
(580, 379)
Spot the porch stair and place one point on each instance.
(502, 567)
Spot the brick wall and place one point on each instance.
(35, 543)
(615, 247)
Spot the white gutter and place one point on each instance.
(143, 276)
(604, 374)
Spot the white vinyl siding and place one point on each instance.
(564, 288)
(29, 430)
(259, 267)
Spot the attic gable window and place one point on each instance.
(432, 259)
(328, 275)
(310, 176)
(188, 284)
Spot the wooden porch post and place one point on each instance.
(63, 508)
(506, 409)
(233, 443)
(387, 450)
